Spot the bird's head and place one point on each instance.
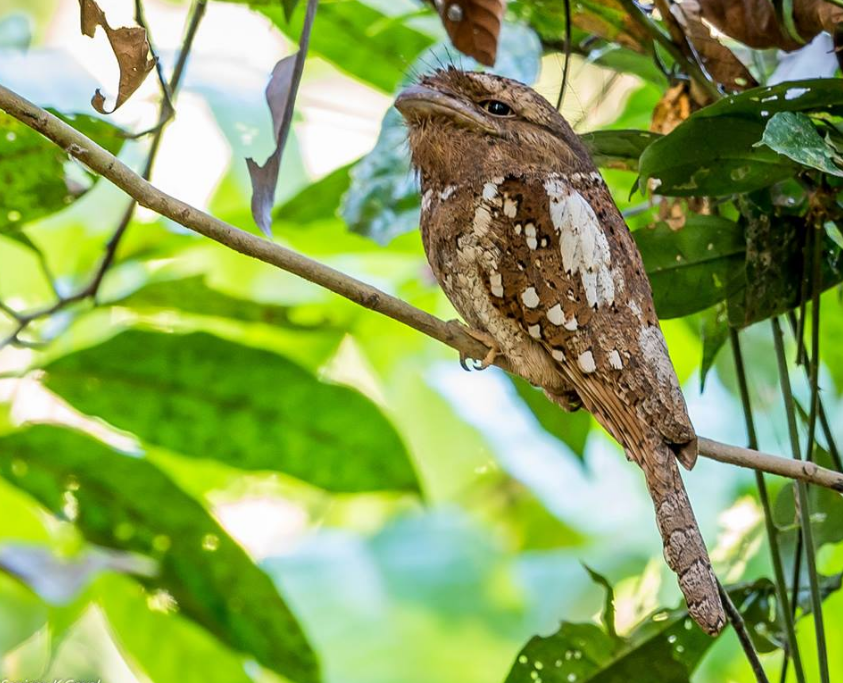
(466, 126)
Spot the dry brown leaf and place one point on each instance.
(131, 48)
(473, 26)
(754, 23)
(672, 109)
(265, 178)
(684, 21)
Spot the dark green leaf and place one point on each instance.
(208, 398)
(618, 148)
(34, 178)
(816, 94)
(665, 648)
(126, 503)
(289, 8)
(694, 267)
(793, 134)
(570, 428)
(712, 156)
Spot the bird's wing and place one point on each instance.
(569, 272)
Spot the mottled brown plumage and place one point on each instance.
(523, 235)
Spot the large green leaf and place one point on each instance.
(663, 649)
(342, 28)
(208, 398)
(712, 156)
(126, 503)
(713, 153)
(34, 178)
(694, 267)
(822, 94)
(570, 428)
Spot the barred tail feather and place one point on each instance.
(684, 548)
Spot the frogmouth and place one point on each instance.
(523, 235)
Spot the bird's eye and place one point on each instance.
(497, 108)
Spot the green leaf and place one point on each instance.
(317, 201)
(570, 428)
(208, 398)
(126, 503)
(21, 613)
(342, 29)
(665, 648)
(35, 177)
(192, 295)
(694, 267)
(712, 156)
(608, 614)
(793, 134)
(289, 8)
(618, 148)
(820, 94)
(159, 642)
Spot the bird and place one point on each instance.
(522, 234)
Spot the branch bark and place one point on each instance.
(451, 333)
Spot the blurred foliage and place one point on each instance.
(245, 478)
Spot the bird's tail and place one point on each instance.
(684, 548)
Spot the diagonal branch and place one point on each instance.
(451, 333)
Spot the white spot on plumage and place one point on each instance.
(535, 331)
(498, 179)
(427, 197)
(496, 283)
(586, 362)
(635, 308)
(490, 191)
(615, 361)
(482, 219)
(530, 234)
(582, 243)
(530, 297)
(447, 193)
(557, 354)
(518, 228)
(556, 316)
(510, 207)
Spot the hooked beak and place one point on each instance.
(420, 102)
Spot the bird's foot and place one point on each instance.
(484, 338)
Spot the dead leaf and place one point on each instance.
(754, 22)
(672, 109)
(265, 178)
(689, 32)
(473, 26)
(130, 47)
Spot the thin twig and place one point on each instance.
(450, 333)
(782, 603)
(91, 289)
(831, 443)
(567, 65)
(298, 70)
(691, 68)
(802, 505)
(743, 635)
